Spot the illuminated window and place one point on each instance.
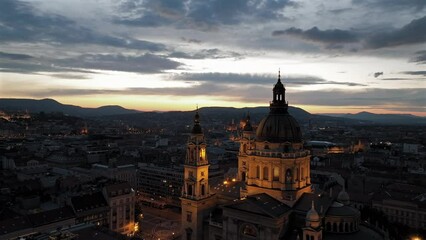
(276, 174)
(203, 154)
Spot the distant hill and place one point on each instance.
(50, 105)
(209, 114)
(222, 115)
(408, 119)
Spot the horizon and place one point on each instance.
(334, 57)
(201, 107)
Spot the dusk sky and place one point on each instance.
(335, 56)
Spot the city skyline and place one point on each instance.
(344, 57)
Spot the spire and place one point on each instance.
(196, 129)
(247, 126)
(279, 104)
(279, 75)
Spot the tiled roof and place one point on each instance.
(261, 204)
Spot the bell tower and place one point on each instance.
(196, 200)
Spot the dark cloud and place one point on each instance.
(415, 5)
(421, 73)
(213, 53)
(412, 33)
(69, 76)
(200, 14)
(332, 37)
(414, 97)
(14, 56)
(402, 79)
(150, 13)
(146, 63)
(376, 74)
(21, 23)
(256, 79)
(197, 90)
(36, 67)
(191, 40)
(86, 63)
(420, 57)
(340, 10)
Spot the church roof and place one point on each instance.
(304, 204)
(279, 127)
(261, 204)
(342, 210)
(364, 233)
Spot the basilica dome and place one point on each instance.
(279, 126)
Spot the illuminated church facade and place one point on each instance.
(273, 198)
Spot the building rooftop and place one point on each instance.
(261, 204)
(88, 201)
(322, 202)
(51, 216)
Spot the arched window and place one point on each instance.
(346, 227)
(328, 227)
(249, 230)
(203, 190)
(188, 233)
(265, 173)
(286, 148)
(276, 174)
(189, 189)
(334, 227)
(258, 171)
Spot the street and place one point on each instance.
(159, 224)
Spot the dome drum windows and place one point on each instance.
(265, 173)
(276, 176)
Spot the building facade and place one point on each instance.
(196, 201)
(275, 198)
(121, 202)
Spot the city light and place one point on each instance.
(136, 227)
